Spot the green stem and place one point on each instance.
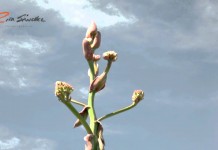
(81, 119)
(91, 97)
(92, 70)
(118, 111)
(108, 66)
(77, 102)
(92, 118)
(91, 110)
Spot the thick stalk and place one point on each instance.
(118, 111)
(91, 110)
(92, 118)
(81, 119)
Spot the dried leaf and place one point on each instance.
(84, 114)
(101, 141)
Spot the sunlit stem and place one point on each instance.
(81, 119)
(118, 111)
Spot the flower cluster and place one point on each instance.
(63, 90)
(110, 55)
(137, 96)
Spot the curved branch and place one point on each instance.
(118, 111)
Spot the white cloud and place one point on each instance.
(9, 144)
(22, 82)
(16, 56)
(10, 141)
(81, 13)
(31, 45)
(84, 92)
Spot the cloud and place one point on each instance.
(81, 13)
(9, 144)
(84, 92)
(16, 56)
(11, 141)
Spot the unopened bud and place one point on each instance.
(137, 96)
(89, 141)
(110, 55)
(63, 90)
(87, 50)
(96, 57)
(91, 31)
(96, 41)
(98, 83)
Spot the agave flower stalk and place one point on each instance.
(94, 130)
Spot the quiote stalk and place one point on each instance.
(94, 138)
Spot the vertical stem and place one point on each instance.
(91, 66)
(91, 110)
(92, 117)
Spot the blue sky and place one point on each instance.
(167, 48)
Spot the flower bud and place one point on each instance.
(91, 31)
(98, 83)
(63, 90)
(87, 50)
(96, 41)
(96, 57)
(89, 139)
(110, 55)
(137, 96)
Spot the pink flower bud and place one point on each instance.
(91, 31)
(98, 83)
(110, 55)
(63, 90)
(96, 41)
(137, 96)
(87, 50)
(89, 140)
(96, 57)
